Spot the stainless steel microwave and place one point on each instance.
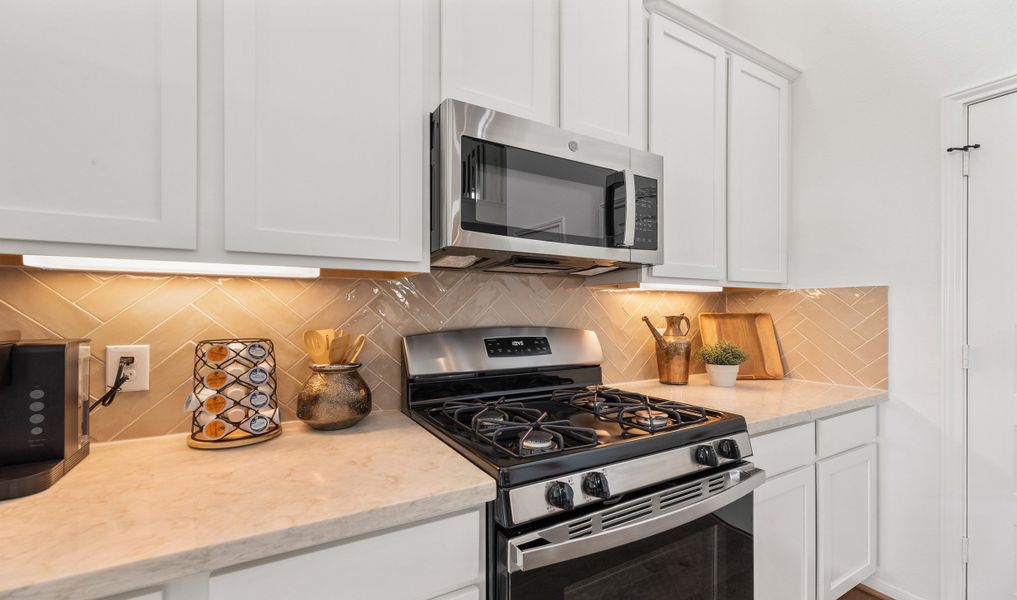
(512, 195)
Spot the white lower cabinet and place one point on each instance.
(814, 522)
(846, 491)
(421, 562)
(784, 530)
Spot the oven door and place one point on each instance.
(513, 185)
(691, 541)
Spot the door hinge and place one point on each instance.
(965, 358)
(964, 550)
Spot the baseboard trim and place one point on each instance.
(873, 593)
(890, 591)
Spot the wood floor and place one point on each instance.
(863, 593)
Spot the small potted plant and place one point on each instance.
(722, 360)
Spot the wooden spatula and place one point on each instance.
(355, 348)
(340, 345)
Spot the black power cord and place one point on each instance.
(118, 382)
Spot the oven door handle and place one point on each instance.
(527, 559)
(629, 236)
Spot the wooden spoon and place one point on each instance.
(317, 349)
(329, 335)
(355, 348)
(339, 347)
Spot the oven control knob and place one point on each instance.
(595, 484)
(729, 449)
(559, 495)
(706, 455)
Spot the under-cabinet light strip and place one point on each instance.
(121, 265)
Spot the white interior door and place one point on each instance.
(992, 325)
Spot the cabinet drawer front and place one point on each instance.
(428, 560)
(844, 432)
(781, 451)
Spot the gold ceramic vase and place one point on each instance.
(334, 397)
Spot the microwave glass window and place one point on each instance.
(518, 193)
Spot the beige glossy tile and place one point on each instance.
(12, 319)
(142, 316)
(286, 290)
(117, 293)
(174, 332)
(822, 319)
(34, 300)
(71, 285)
(266, 307)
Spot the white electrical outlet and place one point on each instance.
(137, 369)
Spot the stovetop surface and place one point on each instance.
(529, 436)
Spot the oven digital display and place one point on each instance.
(516, 346)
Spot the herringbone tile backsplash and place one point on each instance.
(172, 313)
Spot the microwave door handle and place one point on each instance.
(629, 238)
(520, 559)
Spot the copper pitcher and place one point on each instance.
(674, 349)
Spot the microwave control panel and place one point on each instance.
(646, 214)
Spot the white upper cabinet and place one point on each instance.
(603, 73)
(688, 127)
(757, 174)
(98, 122)
(325, 128)
(502, 55)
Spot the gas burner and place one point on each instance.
(514, 429)
(480, 416)
(539, 437)
(651, 418)
(634, 412)
(536, 442)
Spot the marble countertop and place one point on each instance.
(766, 404)
(140, 512)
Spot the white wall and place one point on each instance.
(865, 189)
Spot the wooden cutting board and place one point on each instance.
(754, 333)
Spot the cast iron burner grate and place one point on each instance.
(515, 429)
(630, 409)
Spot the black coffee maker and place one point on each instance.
(43, 412)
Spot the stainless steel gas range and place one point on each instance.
(602, 493)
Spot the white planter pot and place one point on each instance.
(722, 375)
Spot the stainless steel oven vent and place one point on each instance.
(637, 510)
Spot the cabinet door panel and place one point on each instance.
(415, 563)
(502, 55)
(784, 534)
(846, 491)
(688, 127)
(603, 80)
(98, 122)
(324, 127)
(757, 176)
